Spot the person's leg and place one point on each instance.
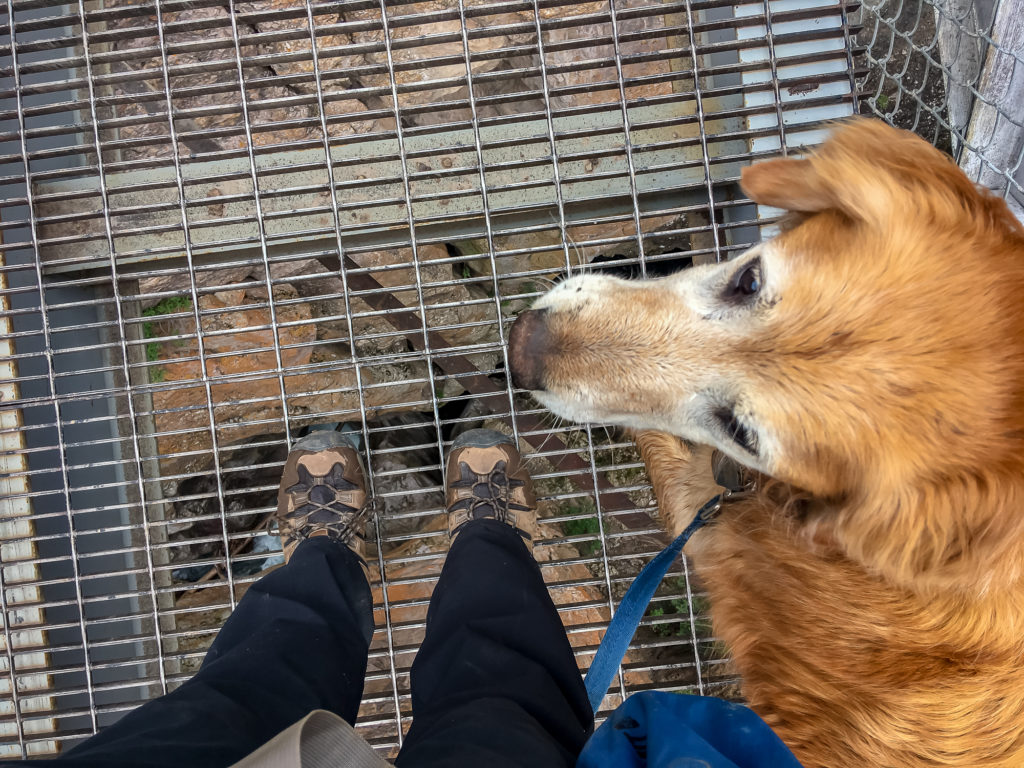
(495, 682)
(297, 641)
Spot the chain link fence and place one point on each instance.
(952, 72)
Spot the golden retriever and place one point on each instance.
(868, 365)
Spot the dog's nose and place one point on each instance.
(527, 346)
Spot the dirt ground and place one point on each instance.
(903, 83)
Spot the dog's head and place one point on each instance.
(872, 351)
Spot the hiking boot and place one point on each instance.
(485, 479)
(323, 493)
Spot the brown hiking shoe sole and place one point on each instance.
(323, 493)
(485, 478)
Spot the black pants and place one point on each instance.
(494, 684)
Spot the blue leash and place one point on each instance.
(633, 606)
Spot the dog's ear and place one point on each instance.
(852, 172)
(790, 184)
(872, 172)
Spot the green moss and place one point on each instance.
(882, 102)
(168, 306)
(156, 375)
(678, 606)
(582, 527)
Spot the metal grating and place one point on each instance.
(226, 222)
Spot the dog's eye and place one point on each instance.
(735, 429)
(746, 282)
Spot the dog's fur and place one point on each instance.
(872, 593)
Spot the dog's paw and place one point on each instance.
(680, 473)
(665, 444)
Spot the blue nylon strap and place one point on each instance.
(633, 606)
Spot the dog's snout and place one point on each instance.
(527, 347)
